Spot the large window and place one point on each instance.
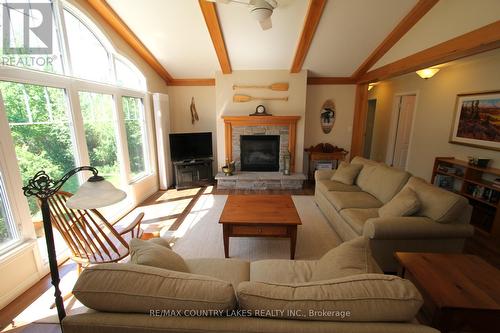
(135, 127)
(41, 127)
(100, 134)
(93, 65)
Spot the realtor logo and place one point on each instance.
(27, 28)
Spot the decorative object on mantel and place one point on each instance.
(194, 114)
(476, 120)
(286, 163)
(246, 98)
(229, 168)
(328, 115)
(260, 110)
(324, 152)
(283, 86)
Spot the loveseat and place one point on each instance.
(158, 291)
(439, 224)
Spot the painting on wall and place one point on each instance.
(327, 116)
(477, 120)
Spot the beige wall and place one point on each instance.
(180, 114)
(343, 97)
(296, 104)
(436, 98)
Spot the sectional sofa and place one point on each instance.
(441, 223)
(158, 291)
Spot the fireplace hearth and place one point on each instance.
(260, 152)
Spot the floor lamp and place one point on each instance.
(94, 193)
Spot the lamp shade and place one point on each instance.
(95, 194)
(427, 73)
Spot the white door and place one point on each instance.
(403, 130)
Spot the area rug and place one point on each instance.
(200, 235)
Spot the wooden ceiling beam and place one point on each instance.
(213, 26)
(112, 18)
(192, 82)
(331, 80)
(477, 41)
(311, 22)
(418, 11)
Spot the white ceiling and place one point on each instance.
(174, 31)
(349, 30)
(446, 20)
(249, 47)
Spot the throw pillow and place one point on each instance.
(347, 173)
(349, 258)
(405, 203)
(150, 254)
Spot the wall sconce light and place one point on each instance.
(427, 73)
(370, 86)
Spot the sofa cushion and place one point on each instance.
(231, 270)
(349, 258)
(356, 217)
(361, 298)
(342, 200)
(364, 174)
(385, 182)
(137, 288)
(330, 185)
(346, 173)
(160, 241)
(151, 254)
(282, 271)
(438, 204)
(405, 203)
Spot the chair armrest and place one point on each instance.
(323, 174)
(135, 224)
(414, 227)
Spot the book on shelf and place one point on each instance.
(496, 183)
(445, 182)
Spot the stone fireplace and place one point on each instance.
(257, 144)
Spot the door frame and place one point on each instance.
(391, 142)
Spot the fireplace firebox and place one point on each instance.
(260, 152)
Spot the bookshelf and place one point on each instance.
(477, 185)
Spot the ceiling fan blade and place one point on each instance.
(266, 24)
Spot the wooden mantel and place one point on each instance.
(290, 121)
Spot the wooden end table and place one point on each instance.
(260, 216)
(461, 292)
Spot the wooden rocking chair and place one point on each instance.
(89, 236)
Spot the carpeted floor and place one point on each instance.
(200, 235)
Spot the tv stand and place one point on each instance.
(191, 173)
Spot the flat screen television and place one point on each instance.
(188, 146)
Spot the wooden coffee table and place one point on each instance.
(260, 216)
(461, 292)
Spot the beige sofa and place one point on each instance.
(440, 225)
(272, 291)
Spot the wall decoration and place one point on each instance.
(194, 114)
(477, 120)
(327, 116)
(282, 86)
(246, 98)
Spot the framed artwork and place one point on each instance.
(477, 120)
(327, 116)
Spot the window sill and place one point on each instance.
(15, 249)
(140, 178)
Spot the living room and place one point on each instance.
(274, 150)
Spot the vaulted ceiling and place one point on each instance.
(343, 34)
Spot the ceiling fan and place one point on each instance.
(261, 10)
